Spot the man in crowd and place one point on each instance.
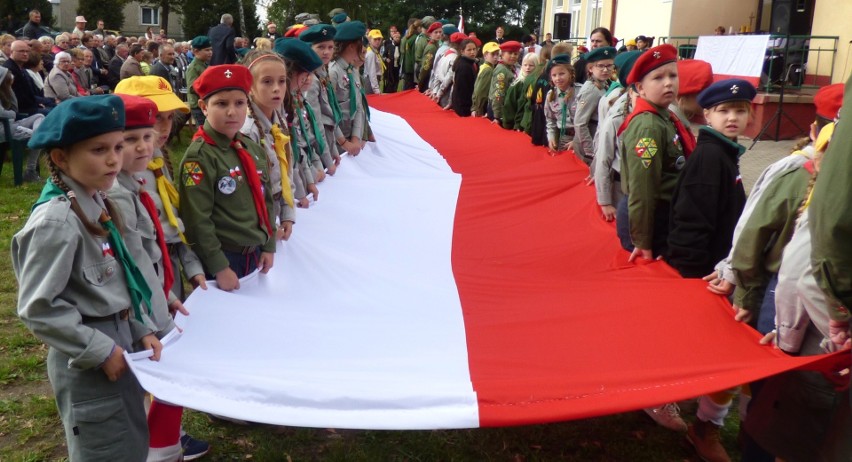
(499, 35)
(114, 73)
(29, 102)
(165, 65)
(391, 57)
(222, 40)
(272, 32)
(100, 29)
(79, 25)
(32, 29)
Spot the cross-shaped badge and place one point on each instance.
(114, 114)
(325, 32)
(735, 89)
(606, 52)
(228, 73)
(149, 113)
(656, 55)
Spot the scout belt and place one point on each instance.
(241, 249)
(118, 316)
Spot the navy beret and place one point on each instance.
(318, 33)
(300, 53)
(79, 119)
(727, 90)
(201, 42)
(349, 31)
(600, 53)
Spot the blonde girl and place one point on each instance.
(559, 105)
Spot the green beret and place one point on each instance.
(624, 63)
(600, 53)
(339, 18)
(349, 31)
(318, 33)
(335, 12)
(201, 42)
(299, 53)
(79, 119)
(560, 59)
(449, 29)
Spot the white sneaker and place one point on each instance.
(668, 416)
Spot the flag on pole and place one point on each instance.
(461, 23)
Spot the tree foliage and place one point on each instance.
(200, 15)
(481, 16)
(20, 9)
(111, 11)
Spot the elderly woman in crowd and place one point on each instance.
(60, 84)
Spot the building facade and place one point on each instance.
(137, 19)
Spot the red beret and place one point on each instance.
(694, 75)
(294, 31)
(139, 112)
(511, 46)
(435, 26)
(582, 49)
(476, 41)
(650, 60)
(828, 100)
(457, 37)
(224, 77)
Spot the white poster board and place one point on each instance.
(734, 55)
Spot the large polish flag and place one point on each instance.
(454, 276)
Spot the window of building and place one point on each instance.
(575, 17)
(150, 16)
(593, 14)
(557, 5)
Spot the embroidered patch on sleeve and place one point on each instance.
(193, 173)
(646, 149)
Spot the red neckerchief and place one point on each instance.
(687, 139)
(250, 170)
(168, 270)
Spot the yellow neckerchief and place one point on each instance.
(168, 193)
(280, 141)
(380, 60)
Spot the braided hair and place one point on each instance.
(249, 60)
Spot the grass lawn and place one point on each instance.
(30, 429)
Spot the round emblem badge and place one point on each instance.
(680, 162)
(227, 185)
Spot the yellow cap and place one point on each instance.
(154, 88)
(490, 47)
(374, 34)
(630, 43)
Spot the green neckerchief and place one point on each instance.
(710, 130)
(302, 125)
(136, 285)
(613, 86)
(353, 103)
(332, 101)
(564, 113)
(364, 102)
(48, 192)
(319, 135)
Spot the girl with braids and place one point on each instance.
(321, 93)
(304, 129)
(80, 289)
(267, 126)
(559, 105)
(599, 70)
(343, 74)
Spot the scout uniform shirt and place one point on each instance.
(500, 81)
(425, 73)
(140, 237)
(586, 119)
(347, 89)
(652, 156)
(79, 275)
(481, 89)
(196, 67)
(216, 203)
(317, 97)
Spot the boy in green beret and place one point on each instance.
(203, 51)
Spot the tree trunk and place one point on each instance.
(164, 16)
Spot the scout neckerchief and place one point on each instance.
(252, 177)
(280, 143)
(315, 127)
(299, 105)
(168, 270)
(686, 137)
(615, 85)
(380, 60)
(332, 100)
(563, 100)
(136, 285)
(353, 104)
(168, 193)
